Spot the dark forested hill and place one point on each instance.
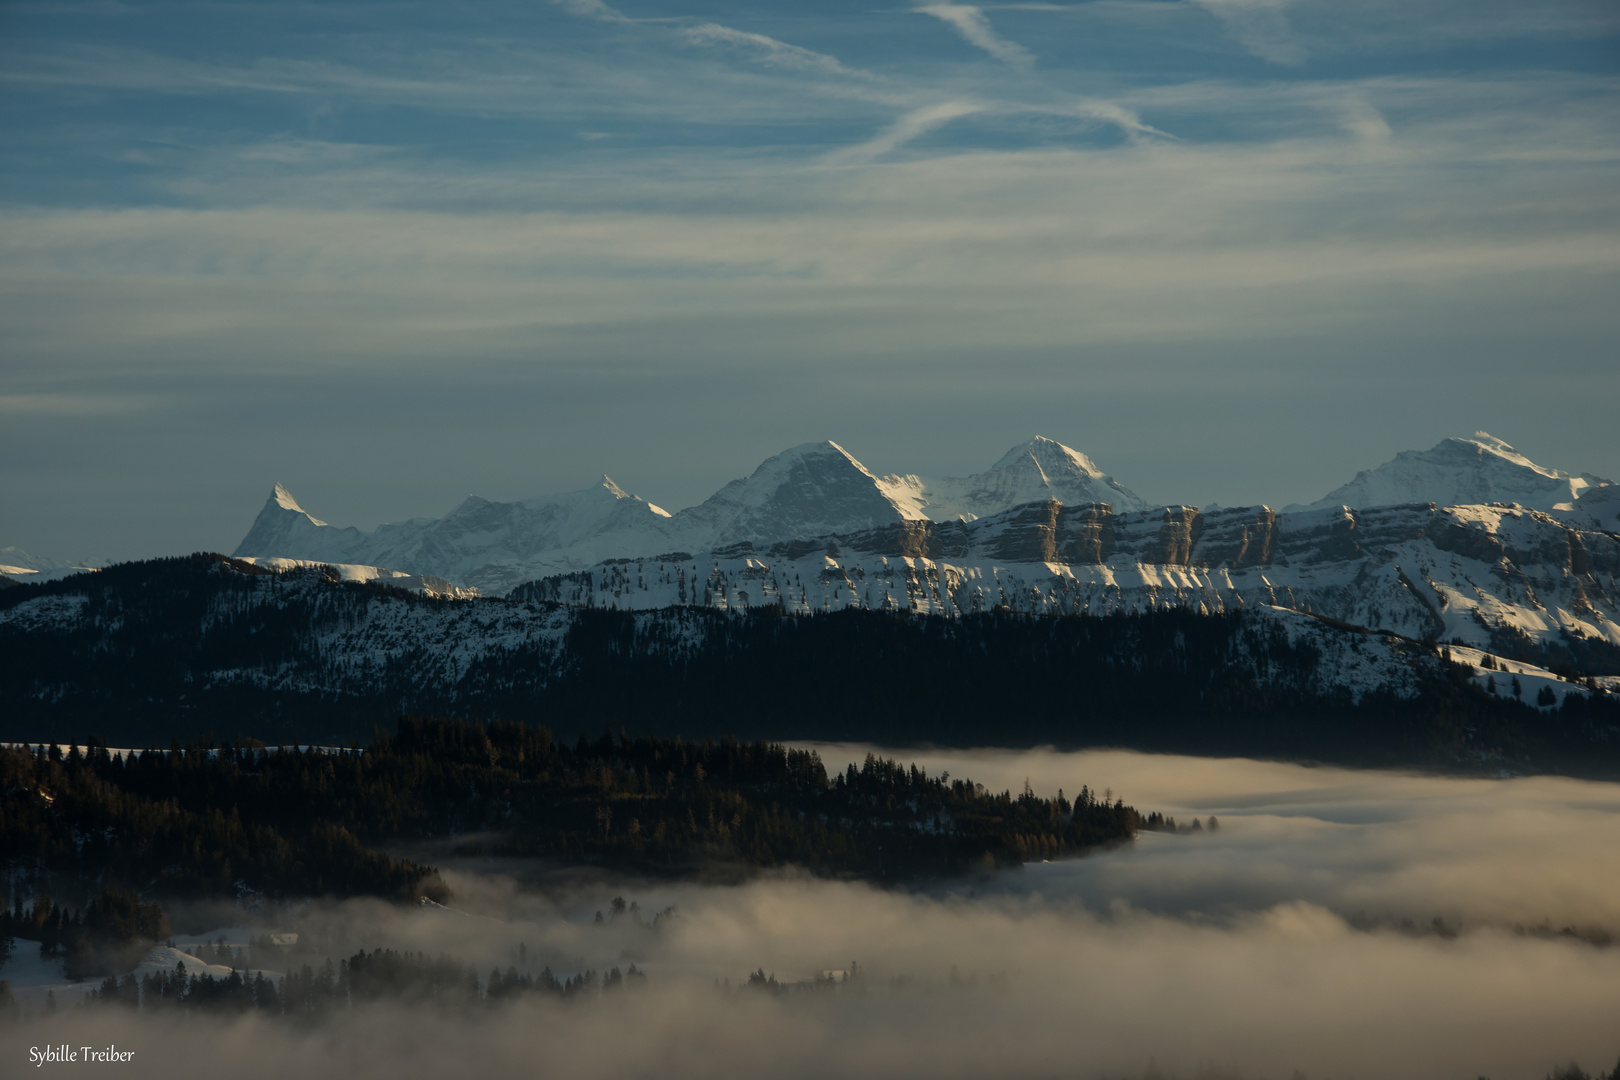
(218, 820)
(140, 653)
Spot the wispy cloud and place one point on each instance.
(1161, 240)
(766, 49)
(1260, 26)
(1365, 122)
(593, 9)
(759, 46)
(908, 127)
(975, 29)
(582, 184)
(1109, 112)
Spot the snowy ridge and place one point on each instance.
(18, 564)
(426, 584)
(439, 644)
(338, 642)
(1456, 574)
(356, 642)
(1478, 469)
(1598, 508)
(820, 490)
(1040, 470)
(811, 490)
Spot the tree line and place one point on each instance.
(205, 644)
(109, 935)
(212, 820)
(314, 993)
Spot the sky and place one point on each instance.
(390, 254)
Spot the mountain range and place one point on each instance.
(820, 489)
(17, 565)
(144, 652)
(1468, 542)
(813, 490)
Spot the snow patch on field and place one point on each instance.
(32, 976)
(1535, 683)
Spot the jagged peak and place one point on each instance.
(825, 449)
(284, 499)
(607, 485)
(1046, 453)
(603, 492)
(1500, 448)
(822, 448)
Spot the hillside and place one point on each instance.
(140, 652)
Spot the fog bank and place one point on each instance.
(1230, 952)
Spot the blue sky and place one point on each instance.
(390, 254)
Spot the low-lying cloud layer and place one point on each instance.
(1522, 851)
(1227, 952)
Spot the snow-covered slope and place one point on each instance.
(32, 976)
(426, 584)
(810, 490)
(353, 643)
(1597, 508)
(484, 545)
(816, 489)
(1037, 471)
(18, 564)
(285, 529)
(299, 657)
(1479, 469)
(1436, 546)
(1469, 574)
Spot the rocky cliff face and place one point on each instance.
(1044, 530)
(816, 489)
(1467, 574)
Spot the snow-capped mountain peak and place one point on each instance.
(1050, 456)
(812, 461)
(808, 490)
(811, 490)
(283, 528)
(1478, 469)
(819, 490)
(607, 485)
(1485, 441)
(1039, 470)
(284, 499)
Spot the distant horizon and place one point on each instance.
(92, 558)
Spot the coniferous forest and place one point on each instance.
(205, 646)
(215, 820)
